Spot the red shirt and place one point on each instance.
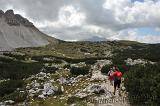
(116, 74)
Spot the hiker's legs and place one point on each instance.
(114, 91)
(115, 86)
(118, 84)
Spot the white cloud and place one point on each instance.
(80, 19)
(137, 14)
(70, 16)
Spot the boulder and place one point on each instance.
(49, 89)
(62, 80)
(41, 96)
(97, 89)
(9, 102)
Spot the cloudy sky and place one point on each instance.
(73, 20)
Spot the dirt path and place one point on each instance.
(114, 100)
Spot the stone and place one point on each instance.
(36, 85)
(98, 89)
(49, 89)
(62, 88)
(73, 105)
(41, 96)
(131, 62)
(62, 80)
(52, 80)
(9, 102)
(123, 88)
(81, 95)
(31, 91)
(55, 97)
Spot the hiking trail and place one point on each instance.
(112, 100)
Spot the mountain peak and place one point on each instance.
(17, 31)
(23, 21)
(11, 12)
(1, 13)
(15, 19)
(10, 18)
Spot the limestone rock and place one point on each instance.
(16, 31)
(10, 18)
(23, 21)
(1, 13)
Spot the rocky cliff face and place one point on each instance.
(16, 31)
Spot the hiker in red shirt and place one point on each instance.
(116, 76)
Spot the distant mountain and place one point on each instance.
(95, 39)
(16, 31)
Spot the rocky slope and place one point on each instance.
(16, 31)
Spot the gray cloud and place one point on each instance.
(81, 19)
(39, 10)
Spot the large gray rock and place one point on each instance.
(49, 89)
(97, 89)
(16, 31)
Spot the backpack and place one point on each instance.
(118, 75)
(110, 73)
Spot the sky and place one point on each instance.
(73, 20)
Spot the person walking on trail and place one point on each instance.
(116, 76)
(110, 72)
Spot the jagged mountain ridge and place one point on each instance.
(16, 31)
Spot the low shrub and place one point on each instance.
(105, 69)
(90, 62)
(18, 70)
(80, 70)
(50, 69)
(143, 84)
(67, 66)
(16, 96)
(8, 87)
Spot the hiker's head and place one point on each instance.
(116, 68)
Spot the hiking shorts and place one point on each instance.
(117, 83)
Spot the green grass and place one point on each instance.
(68, 49)
(16, 69)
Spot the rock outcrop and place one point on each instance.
(1, 13)
(10, 18)
(23, 21)
(16, 31)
